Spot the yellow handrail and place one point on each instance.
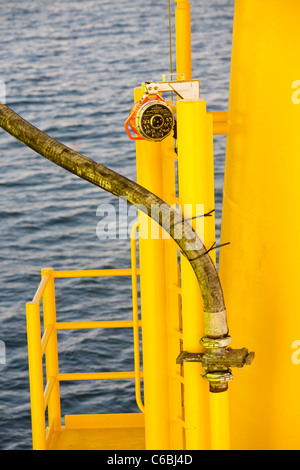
(93, 273)
(96, 376)
(38, 421)
(41, 397)
(85, 325)
(46, 336)
(135, 319)
(48, 389)
(40, 290)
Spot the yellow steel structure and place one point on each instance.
(173, 304)
(183, 38)
(196, 128)
(153, 303)
(136, 323)
(177, 402)
(196, 195)
(177, 412)
(192, 152)
(113, 431)
(160, 302)
(219, 421)
(176, 409)
(259, 271)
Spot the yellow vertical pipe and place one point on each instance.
(183, 38)
(153, 304)
(219, 421)
(260, 269)
(172, 302)
(196, 187)
(219, 402)
(36, 376)
(208, 185)
(51, 354)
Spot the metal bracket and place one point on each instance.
(185, 89)
(217, 361)
(221, 361)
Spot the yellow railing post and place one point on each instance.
(51, 354)
(183, 38)
(36, 376)
(137, 373)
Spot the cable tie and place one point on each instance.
(213, 247)
(208, 214)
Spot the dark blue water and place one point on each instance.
(70, 68)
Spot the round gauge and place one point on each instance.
(155, 120)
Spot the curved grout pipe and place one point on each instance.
(180, 230)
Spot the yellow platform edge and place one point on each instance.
(99, 432)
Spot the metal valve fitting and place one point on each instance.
(217, 361)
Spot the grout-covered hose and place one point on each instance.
(181, 231)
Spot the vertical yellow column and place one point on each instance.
(36, 376)
(219, 402)
(49, 311)
(183, 38)
(153, 304)
(173, 303)
(196, 186)
(260, 269)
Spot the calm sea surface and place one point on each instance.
(70, 68)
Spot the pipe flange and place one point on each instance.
(213, 343)
(218, 380)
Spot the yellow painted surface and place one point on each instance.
(196, 195)
(114, 431)
(259, 270)
(51, 350)
(160, 306)
(136, 322)
(183, 38)
(153, 303)
(219, 421)
(101, 432)
(173, 304)
(38, 422)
